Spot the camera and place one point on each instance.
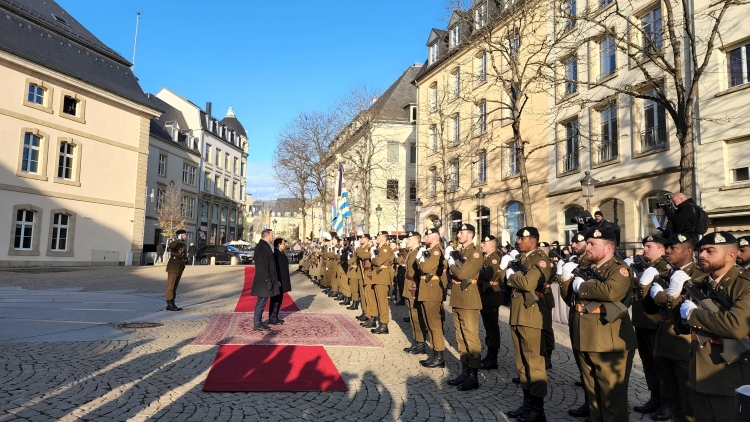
(577, 220)
(666, 204)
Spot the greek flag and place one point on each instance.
(341, 209)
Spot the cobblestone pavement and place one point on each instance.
(159, 376)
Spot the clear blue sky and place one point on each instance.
(269, 60)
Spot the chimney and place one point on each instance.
(208, 108)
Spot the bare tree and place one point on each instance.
(170, 211)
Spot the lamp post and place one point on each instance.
(378, 211)
(417, 209)
(480, 203)
(587, 185)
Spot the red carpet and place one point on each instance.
(273, 368)
(247, 302)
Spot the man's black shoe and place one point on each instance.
(346, 302)
(407, 319)
(171, 306)
(461, 378)
(370, 323)
(580, 412)
(401, 302)
(382, 329)
(261, 328)
(354, 306)
(361, 317)
(516, 380)
(417, 349)
(651, 406)
(525, 407)
(663, 413)
(276, 322)
(578, 384)
(471, 382)
(436, 361)
(488, 364)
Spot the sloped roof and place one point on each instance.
(391, 105)
(230, 120)
(29, 30)
(170, 113)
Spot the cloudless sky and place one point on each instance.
(269, 60)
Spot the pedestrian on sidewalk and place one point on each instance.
(266, 282)
(175, 267)
(282, 272)
(159, 253)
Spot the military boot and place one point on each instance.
(461, 378)
(346, 302)
(416, 349)
(436, 361)
(370, 323)
(664, 413)
(171, 306)
(354, 306)
(582, 411)
(490, 361)
(362, 317)
(382, 329)
(471, 382)
(536, 414)
(525, 407)
(652, 405)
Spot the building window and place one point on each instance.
(651, 35)
(36, 94)
(738, 156)
(70, 105)
(217, 185)
(185, 173)
(515, 218)
(569, 10)
(481, 167)
(25, 220)
(188, 207)
(32, 145)
(514, 44)
(207, 154)
(570, 147)
(433, 97)
(481, 118)
(433, 138)
(453, 176)
(413, 153)
(412, 114)
(569, 225)
(571, 75)
(206, 181)
(65, 161)
(604, 3)
(455, 35)
(432, 191)
(242, 169)
(481, 67)
(456, 132)
(59, 232)
(433, 52)
(392, 154)
(235, 166)
(607, 62)
(162, 165)
(160, 194)
(226, 161)
(654, 135)
(608, 145)
(217, 157)
(511, 159)
(234, 190)
(649, 207)
(193, 173)
(739, 65)
(455, 84)
(226, 187)
(391, 190)
(412, 190)
(480, 15)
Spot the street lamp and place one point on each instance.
(587, 185)
(417, 210)
(378, 211)
(480, 203)
(274, 225)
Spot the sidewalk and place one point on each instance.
(155, 374)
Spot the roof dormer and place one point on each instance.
(436, 45)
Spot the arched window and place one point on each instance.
(569, 223)
(455, 218)
(514, 219)
(482, 222)
(649, 212)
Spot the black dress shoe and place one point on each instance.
(461, 377)
(417, 349)
(471, 382)
(362, 317)
(580, 412)
(516, 380)
(261, 328)
(652, 405)
(436, 361)
(578, 384)
(370, 323)
(488, 364)
(663, 413)
(276, 322)
(382, 329)
(407, 319)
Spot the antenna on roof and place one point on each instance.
(135, 43)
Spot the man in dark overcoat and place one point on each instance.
(282, 272)
(266, 282)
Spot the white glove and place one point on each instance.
(349, 256)
(513, 253)
(656, 288)
(676, 282)
(577, 283)
(648, 276)
(451, 261)
(356, 243)
(628, 261)
(567, 270)
(509, 273)
(560, 265)
(504, 261)
(687, 308)
(395, 253)
(372, 250)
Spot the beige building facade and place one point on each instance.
(75, 127)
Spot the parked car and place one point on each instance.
(223, 255)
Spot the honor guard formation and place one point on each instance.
(684, 305)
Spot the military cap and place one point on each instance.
(579, 237)
(383, 233)
(678, 239)
(468, 227)
(431, 231)
(601, 234)
(544, 244)
(652, 238)
(412, 234)
(366, 236)
(179, 232)
(528, 232)
(743, 241)
(488, 238)
(718, 238)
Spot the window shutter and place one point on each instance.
(738, 154)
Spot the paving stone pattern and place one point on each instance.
(159, 376)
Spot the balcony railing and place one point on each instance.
(607, 151)
(569, 162)
(653, 138)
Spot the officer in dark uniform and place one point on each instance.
(743, 254)
(175, 267)
(549, 301)
(492, 298)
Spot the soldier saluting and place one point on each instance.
(175, 267)
(430, 294)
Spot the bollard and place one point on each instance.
(128, 259)
(742, 403)
(213, 260)
(233, 260)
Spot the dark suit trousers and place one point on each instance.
(260, 305)
(275, 306)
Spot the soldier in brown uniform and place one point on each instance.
(466, 303)
(416, 317)
(175, 267)
(353, 274)
(381, 280)
(743, 254)
(602, 332)
(526, 322)
(430, 294)
(492, 298)
(716, 370)
(646, 325)
(369, 308)
(673, 349)
(549, 301)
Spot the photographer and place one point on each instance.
(601, 224)
(683, 216)
(585, 221)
